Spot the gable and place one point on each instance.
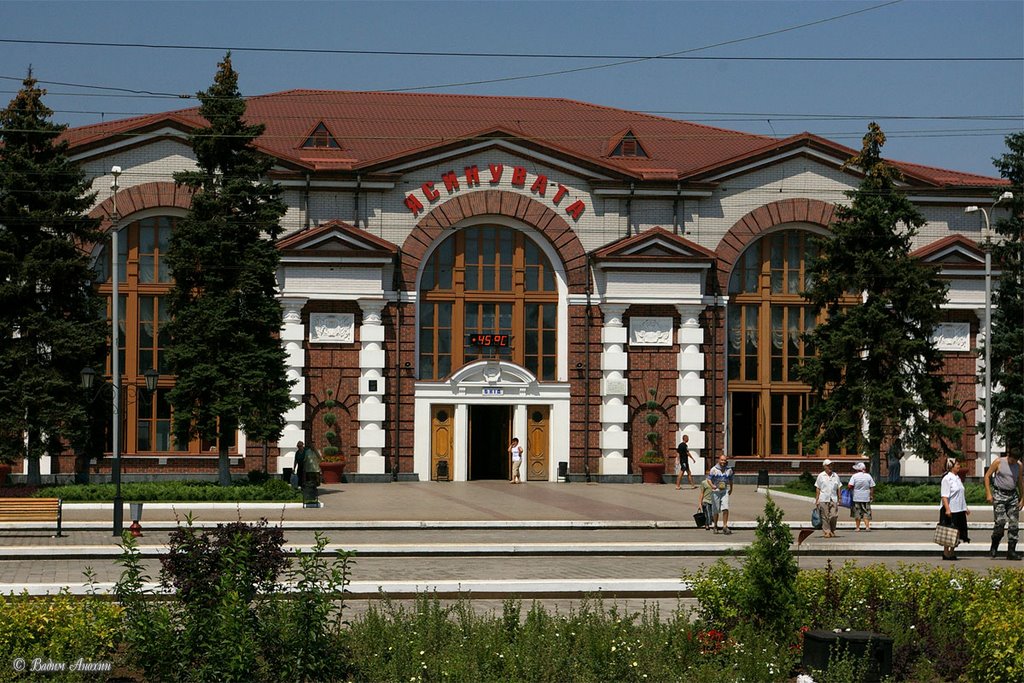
(336, 238)
(657, 245)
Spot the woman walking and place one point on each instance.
(954, 506)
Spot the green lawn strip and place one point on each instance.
(273, 490)
(896, 494)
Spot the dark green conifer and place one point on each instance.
(229, 362)
(51, 319)
(1008, 302)
(876, 372)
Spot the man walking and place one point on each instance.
(721, 478)
(1004, 488)
(683, 458)
(826, 498)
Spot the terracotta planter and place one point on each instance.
(5, 472)
(332, 471)
(652, 472)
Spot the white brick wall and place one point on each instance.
(705, 220)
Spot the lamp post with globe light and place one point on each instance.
(988, 319)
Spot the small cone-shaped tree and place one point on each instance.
(1008, 303)
(875, 373)
(51, 319)
(229, 363)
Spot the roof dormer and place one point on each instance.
(627, 145)
(320, 138)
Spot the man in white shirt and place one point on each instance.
(826, 498)
(863, 488)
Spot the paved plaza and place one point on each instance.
(551, 541)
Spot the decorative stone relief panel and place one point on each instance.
(332, 328)
(953, 336)
(650, 331)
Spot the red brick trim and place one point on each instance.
(762, 219)
(497, 202)
(141, 197)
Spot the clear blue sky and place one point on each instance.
(742, 95)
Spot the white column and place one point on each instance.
(614, 389)
(690, 411)
(293, 335)
(371, 388)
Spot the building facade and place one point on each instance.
(459, 270)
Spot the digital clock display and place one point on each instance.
(494, 340)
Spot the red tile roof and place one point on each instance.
(372, 127)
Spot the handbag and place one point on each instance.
(846, 498)
(815, 518)
(700, 519)
(946, 536)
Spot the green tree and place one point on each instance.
(1008, 302)
(229, 363)
(51, 318)
(876, 368)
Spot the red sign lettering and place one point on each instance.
(451, 183)
(562, 191)
(413, 204)
(575, 209)
(429, 192)
(540, 185)
(518, 176)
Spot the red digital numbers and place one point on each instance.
(498, 340)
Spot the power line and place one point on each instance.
(498, 55)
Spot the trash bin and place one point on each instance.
(762, 478)
(286, 475)
(442, 470)
(136, 513)
(563, 470)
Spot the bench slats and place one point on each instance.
(32, 510)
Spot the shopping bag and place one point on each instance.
(846, 498)
(946, 536)
(700, 519)
(815, 518)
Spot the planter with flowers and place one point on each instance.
(652, 462)
(332, 467)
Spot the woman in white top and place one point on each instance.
(826, 498)
(954, 505)
(516, 451)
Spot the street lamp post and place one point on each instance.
(988, 321)
(115, 356)
(88, 380)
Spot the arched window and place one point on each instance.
(144, 282)
(766, 319)
(488, 280)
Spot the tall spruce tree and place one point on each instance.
(224, 350)
(1008, 303)
(51, 319)
(876, 370)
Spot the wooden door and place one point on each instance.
(537, 443)
(442, 442)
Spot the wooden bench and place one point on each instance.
(32, 510)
